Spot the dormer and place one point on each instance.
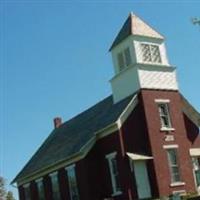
(138, 51)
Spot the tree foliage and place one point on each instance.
(2, 188)
(10, 196)
(4, 195)
(196, 21)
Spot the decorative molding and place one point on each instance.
(39, 180)
(111, 155)
(70, 167)
(106, 131)
(167, 129)
(181, 192)
(171, 146)
(162, 100)
(195, 152)
(169, 138)
(177, 184)
(53, 174)
(127, 111)
(26, 185)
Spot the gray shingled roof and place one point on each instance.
(68, 139)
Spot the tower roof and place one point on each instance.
(135, 26)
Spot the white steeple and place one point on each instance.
(140, 60)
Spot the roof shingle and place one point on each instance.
(68, 139)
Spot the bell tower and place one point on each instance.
(140, 60)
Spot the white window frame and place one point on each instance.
(109, 158)
(195, 168)
(68, 169)
(166, 103)
(27, 188)
(150, 44)
(124, 59)
(174, 147)
(40, 181)
(53, 175)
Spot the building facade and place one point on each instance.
(142, 142)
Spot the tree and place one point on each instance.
(2, 188)
(196, 21)
(9, 196)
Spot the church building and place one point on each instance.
(141, 142)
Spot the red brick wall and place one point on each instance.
(157, 139)
(140, 134)
(99, 179)
(33, 189)
(63, 183)
(137, 141)
(47, 187)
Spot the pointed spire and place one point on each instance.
(135, 26)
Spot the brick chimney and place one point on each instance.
(57, 122)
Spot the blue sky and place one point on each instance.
(54, 61)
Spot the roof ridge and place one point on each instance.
(134, 25)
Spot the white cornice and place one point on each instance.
(127, 111)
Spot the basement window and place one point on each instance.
(112, 161)
(55, 186)
(73, 188)
(124, 59)
(150, 53)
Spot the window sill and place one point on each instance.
(177, 184)
(167, 129)
(116, 193)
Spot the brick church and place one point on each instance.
(141, 142)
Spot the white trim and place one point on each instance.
(194, 169)
(116, 193)
(170, 146)
(162, 100)
(167, 129)
(194, 152)
(111, 155)
(39, 180)
(53, 174)
(177, 184)
(134, 156)
(181, 192)
(106, 131)
(127, 111)
(167, 116)
(109, 158)
(70, 167)
(26, 185)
